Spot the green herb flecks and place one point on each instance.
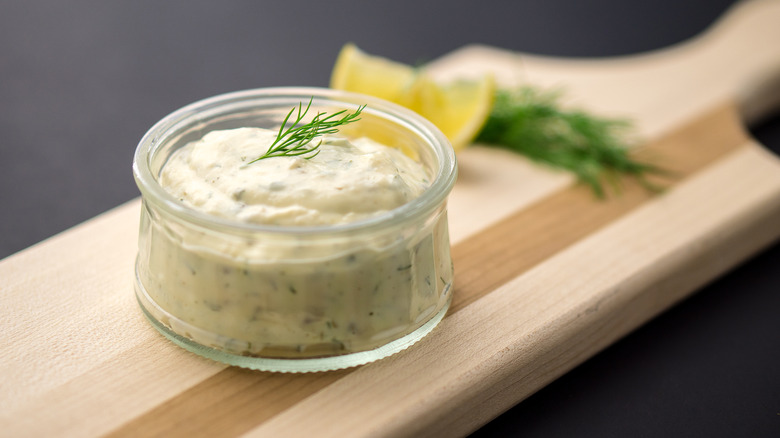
(532, 123)
(296, 139)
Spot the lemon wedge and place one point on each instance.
(362, 73)
(459, 109)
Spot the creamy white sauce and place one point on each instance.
(346, 181)
(286, 295)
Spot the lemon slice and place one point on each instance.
(459, 109)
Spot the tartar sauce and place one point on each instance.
(285, 296)
(346, 181)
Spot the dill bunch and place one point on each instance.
(531, 122)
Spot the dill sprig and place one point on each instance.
(532, 123)
(296, 139)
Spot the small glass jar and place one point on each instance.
(294, 298)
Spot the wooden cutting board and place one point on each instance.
(546, 275)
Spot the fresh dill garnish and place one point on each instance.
(532, 123)
(295, 140)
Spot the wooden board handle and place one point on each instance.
(743, 50)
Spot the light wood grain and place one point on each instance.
(75, 339)
(545, 275)
(527, 332)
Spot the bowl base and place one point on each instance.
(283, 365)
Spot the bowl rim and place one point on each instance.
(433, 196)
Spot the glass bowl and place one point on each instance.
(294, 298)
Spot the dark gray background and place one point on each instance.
(81, 81)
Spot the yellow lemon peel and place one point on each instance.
(459, 109)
